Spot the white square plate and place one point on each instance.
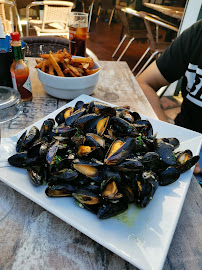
(140, 236)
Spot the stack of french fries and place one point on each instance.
(62, 64)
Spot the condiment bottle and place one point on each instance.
(19, 70)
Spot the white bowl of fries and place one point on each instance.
(66, 77)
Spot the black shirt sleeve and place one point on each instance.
(174, 61)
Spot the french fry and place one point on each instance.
(83, 60)
(74, 70)
(92, 71)
(43, 67)
(56, 66)
(66, 71)
(72, 73)
(51, 70)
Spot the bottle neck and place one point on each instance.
(17, 53)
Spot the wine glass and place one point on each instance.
(10, 107)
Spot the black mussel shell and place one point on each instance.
(46, 127)
(108, 210)
(78, 105)
(132, 165)
(61, 116)
(169, 176)
(119, 151)
(122, 127)
(74, 116)
(86, 197)
(188, 164)
(21, 160)
(19, 144)
(144, 127)
(93, 139)
(165, 152)
(146, 187)
(101, 108)
(91, 169)
(39, 149)
(50, 156)
(151, 161)
(58, 189)
(31, 138)
(38, 175)
(66, 175)
(64, 131)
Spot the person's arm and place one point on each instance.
(150, 80)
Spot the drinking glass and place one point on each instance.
(78, 25)
(10, 107)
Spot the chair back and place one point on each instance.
(7, 23)
(124, 20)
(107, 4)
(56, 12)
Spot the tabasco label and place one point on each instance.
(22, 83)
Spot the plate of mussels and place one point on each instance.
(117, 176)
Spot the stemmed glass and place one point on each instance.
(10, 107)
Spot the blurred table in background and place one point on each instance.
(174, 12)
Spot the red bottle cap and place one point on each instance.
(15, 36)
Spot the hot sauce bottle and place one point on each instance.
(19, 70)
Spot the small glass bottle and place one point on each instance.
(19, 70)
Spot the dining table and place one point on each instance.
(33, 238)
(172, 11)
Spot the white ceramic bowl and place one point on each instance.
(68, 87)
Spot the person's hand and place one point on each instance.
(197, 168)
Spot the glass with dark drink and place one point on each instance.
(78, 24)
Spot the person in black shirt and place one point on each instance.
(182, 59)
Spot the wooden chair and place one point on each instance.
(131, 34)
(7, 21)
(55, 18)
(106, 5)
(155, 47)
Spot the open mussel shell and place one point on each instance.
(144, 127)
(169, 176)
(188, 164)
(97, 124)
(91, 169)
(93, 139)
(65, 131)
(109, 190)
(88, 152)
(50, 156)
(31, 138)
(61, 116)
(39, 175)
(146, 187)
(46, 127)
(86, 197)
(58, 189)
(101, 108)
(74, 116)
(108, 209)
(122, 127)
(119, 151)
